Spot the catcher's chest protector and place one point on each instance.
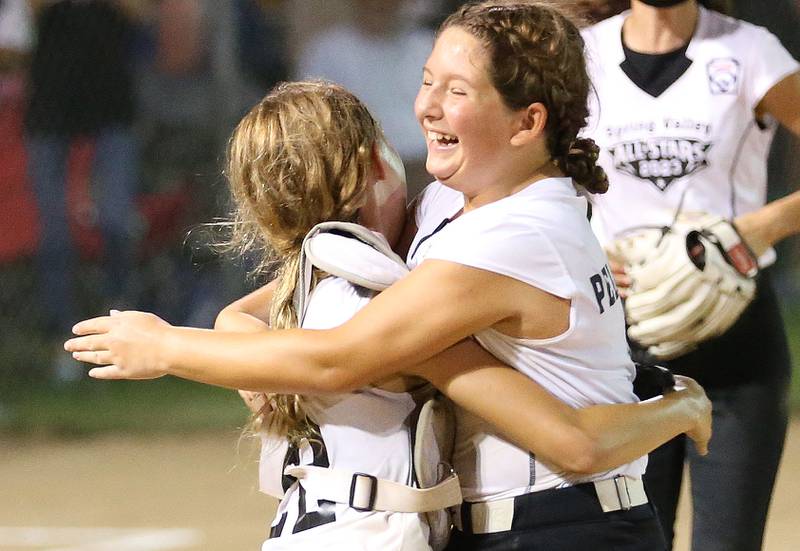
(399, 438)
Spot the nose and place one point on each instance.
(428, 105)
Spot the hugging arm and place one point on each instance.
(579, 440)
(582, 441)
(434, 307)
(249, 313)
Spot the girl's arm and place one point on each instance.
(435, 306)
(583, 441)
(779, 219)
(248, 314)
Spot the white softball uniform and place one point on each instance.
(367, 431)
(540, 236)
(698, 139)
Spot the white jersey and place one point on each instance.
(698, 139)
(540, 236)
(367, 431)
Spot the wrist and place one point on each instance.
(162, 347)
(687, 408)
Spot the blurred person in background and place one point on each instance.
(261, 45)
(16, 36)
(16, 43)
(377, 54)
(781, 17)
(200, 65)
(80, 86)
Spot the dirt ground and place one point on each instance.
(195, 493)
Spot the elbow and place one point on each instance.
(583, 455)
(333, 380)
(220, 322)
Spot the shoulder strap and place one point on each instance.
(349, 251)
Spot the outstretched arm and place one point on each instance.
(586, 440)
(582, 441)
(434, 307)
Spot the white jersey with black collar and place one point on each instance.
(698, 140)
(540, 236)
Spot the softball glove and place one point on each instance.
(690, 282)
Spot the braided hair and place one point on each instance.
(536, 54)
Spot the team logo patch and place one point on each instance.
(723, 75)
(661, 161)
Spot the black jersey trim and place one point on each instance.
(655, 73)
(441, 225)
(325, 514)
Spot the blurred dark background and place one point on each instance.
(114, 116)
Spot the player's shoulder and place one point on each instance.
(604, 32)
(543, 211)
(333, 301)
(720, 28)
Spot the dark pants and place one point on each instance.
(634, 530)
(568, 519)
(746, 376)
(732, 485)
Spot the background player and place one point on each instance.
(688, 101)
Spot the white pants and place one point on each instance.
(360, 532)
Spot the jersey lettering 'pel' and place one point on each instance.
(541, 237)
(367, 431)
(699, 137)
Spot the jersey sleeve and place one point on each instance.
(511, 247)
(770, 63)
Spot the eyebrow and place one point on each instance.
(451, 76)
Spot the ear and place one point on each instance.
(532, 122)
(378, 168)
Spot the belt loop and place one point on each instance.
(621, 484)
